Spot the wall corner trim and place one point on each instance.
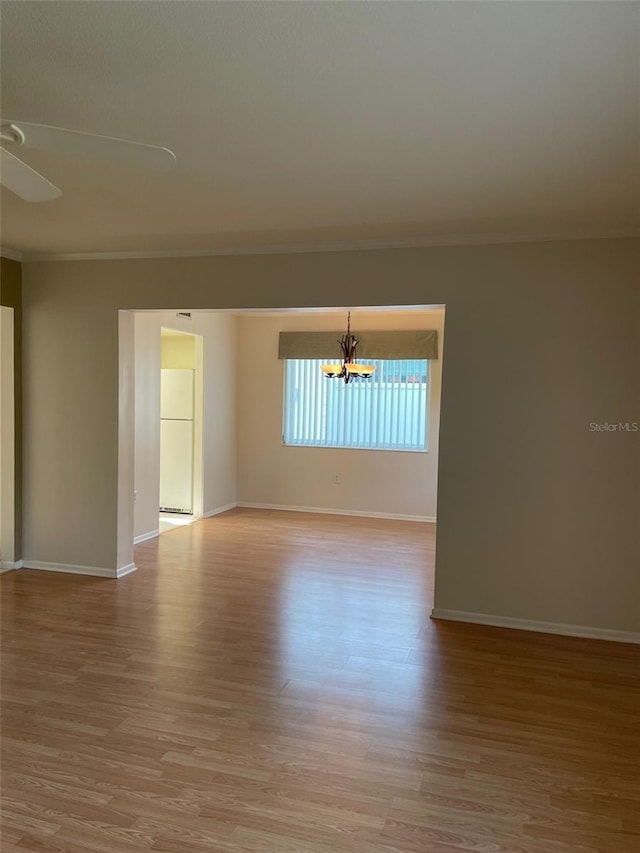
(219, 510)
(8, 566)
(150, 534)
(539, 627)
(126, 570)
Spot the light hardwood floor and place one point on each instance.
(271, 682)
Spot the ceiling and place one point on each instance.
(327, 124)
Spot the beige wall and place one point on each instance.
(126, 447)
(373, 481)
(147, 423)
(537, 514)
(71, 375)
(219, 407)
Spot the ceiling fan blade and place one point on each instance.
(90, 146)
(25, 181)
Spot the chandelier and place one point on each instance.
(348, 368)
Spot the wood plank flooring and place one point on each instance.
(271, 682)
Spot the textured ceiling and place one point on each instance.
(327, 124)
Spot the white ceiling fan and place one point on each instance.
(30, 185)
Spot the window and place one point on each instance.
(386, 412)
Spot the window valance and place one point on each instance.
(389, 345)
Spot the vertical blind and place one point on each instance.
(386, 412)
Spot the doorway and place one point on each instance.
(180, 486)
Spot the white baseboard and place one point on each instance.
(126, 570)
(150, 534)
(92, 571)
(210, 513)
(8, 566)
(539, 627)
(330, 511)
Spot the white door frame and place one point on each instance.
(198, 430)
(7, 441)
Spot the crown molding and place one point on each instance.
(11, 254)
(357, 246)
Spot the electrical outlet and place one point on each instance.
(336, 479)
(135, 495)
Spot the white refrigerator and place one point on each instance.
(176, 440)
